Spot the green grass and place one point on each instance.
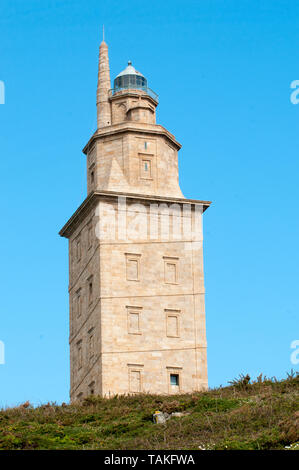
(259, 415)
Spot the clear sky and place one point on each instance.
(222, 69)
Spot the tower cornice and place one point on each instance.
(93, 199)
(131, 127)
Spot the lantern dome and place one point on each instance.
(130, 78)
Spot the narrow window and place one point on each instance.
(79, 303)
(91, 344)
(145, 145)
(89, 235)
(92, 175)
(90, 290)
(73, 313)
(91, 388)
(78, 249)
(146, 166)
(79, 354)
(146, 169)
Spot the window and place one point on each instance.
(132, 266)
(146, 169)
(172, 323)
(90, 290)
(92, 176)
(91, 388)
(78, 248)
(170, 270)
(89, 235)
(145, 145)
(174, 379)
(134, 314)
(79, 354)
(132, 270)
(170, 273)
(135, 381)
(146, 166)
(91, 344)
(134, 322)
(91, 156)
(135, 378)
(78, 303)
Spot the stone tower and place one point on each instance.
(136, 284)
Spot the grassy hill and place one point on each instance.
(259, 415)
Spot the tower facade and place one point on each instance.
(136, 283)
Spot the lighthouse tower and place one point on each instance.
(136, 282)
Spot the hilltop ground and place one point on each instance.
(259, 415)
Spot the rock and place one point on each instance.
(160, 418)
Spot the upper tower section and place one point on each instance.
(129, 152)
(131, 99)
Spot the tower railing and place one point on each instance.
(146, 90)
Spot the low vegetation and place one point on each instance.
(261, 414)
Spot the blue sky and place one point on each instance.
(222, 69)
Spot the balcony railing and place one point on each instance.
(146, 90)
